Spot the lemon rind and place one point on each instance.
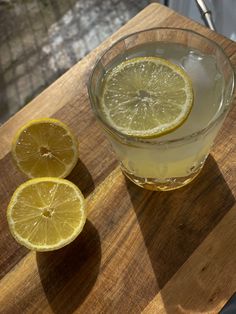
(68, 168)
(165, 128)
(64, 242)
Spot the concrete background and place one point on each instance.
(41, 39)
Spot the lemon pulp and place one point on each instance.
(146, 97)
(45, 147)
(46, 213)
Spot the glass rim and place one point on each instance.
(157, 140)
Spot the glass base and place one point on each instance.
(155, 184)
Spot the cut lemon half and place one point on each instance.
(46, 214)
(45, 147)
(146, 97)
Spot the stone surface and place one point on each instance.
(41, 39)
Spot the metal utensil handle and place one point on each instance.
(206, 14)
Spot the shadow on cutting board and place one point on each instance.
(68, 275)
(174, 223)
(81, 177)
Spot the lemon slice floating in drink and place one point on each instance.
(46, 214)
(45, 147)
(146, 97)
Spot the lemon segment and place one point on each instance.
(146, 97)
(45, 147)
(46, 214)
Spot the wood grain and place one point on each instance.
(205, 268)
(156, 252)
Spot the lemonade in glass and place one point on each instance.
(161, 96)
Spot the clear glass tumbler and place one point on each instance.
(173, 160)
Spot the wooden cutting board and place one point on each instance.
(140, 251)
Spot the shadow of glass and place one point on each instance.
(68, 275)
(174, 223)
(203, 285)
(81, 177)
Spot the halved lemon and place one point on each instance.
(46, 214)
(146, 97)
(45, 147)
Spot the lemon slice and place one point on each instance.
(146, 97)
(45, 147)
(46, 214)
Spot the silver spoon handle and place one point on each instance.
(206, 14)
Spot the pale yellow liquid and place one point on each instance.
(179, 159)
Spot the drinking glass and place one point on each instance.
(173, 160)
